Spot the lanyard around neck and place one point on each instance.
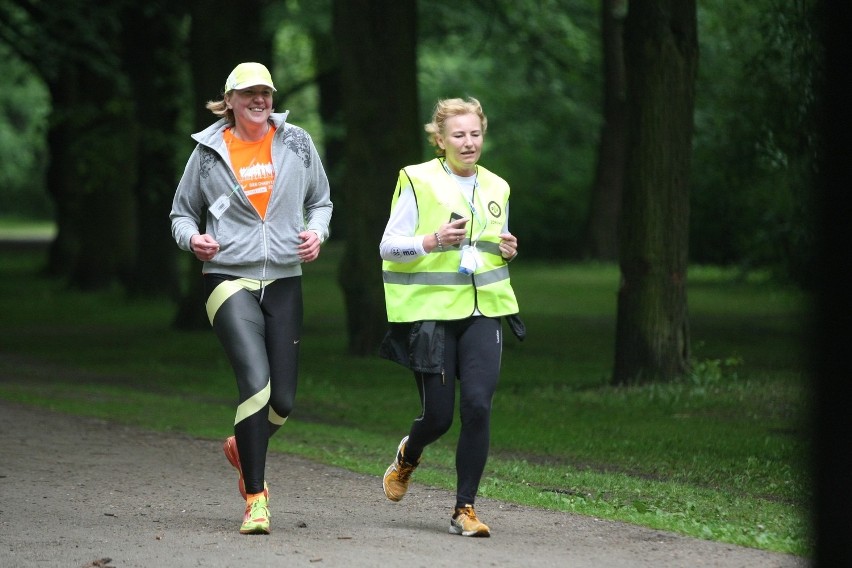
(474, 212)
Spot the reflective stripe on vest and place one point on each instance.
(445, 278)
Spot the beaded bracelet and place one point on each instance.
(440, 244)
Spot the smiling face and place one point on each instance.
(252, 106)
(461, 139)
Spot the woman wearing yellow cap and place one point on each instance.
(253, 204)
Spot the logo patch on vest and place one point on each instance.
(494, 209)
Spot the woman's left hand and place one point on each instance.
(310, 248)
(508, 246)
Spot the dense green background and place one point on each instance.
(537, 68)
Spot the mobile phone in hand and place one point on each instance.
(455, 217)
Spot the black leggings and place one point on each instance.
(472, 351)
(259, 326)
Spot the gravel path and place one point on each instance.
(78, 492)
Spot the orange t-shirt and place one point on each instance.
(252, 162)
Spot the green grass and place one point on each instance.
(12, 228)
(719, 455)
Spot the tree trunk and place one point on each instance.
(104, 170)
(602, 225)
(652, 330)
(331, 114)
(153, 59)
(60, 186)
(376, 44)
(91, 157)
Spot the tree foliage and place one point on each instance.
(24, 110)
(755, 148)
(537, 68)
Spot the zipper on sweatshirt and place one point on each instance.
(265, 258)
(264, 237)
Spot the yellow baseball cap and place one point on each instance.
(247, 75)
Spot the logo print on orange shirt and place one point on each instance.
(252, 163)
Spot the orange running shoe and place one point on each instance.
(465, 523)
(398, 475)
(233, 455)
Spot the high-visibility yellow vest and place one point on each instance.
(431, 287)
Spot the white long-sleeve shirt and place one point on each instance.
(399, 232)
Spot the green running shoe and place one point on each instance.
(256, 519)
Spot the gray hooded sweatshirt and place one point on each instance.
(251, 247)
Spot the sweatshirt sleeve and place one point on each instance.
(188, 204)
(318, 204)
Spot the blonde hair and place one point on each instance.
(448, 108)
(220, 109)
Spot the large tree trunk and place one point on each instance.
(91, 160)
(602, 225)
(60, 185)
(103, 158)
(377, 50)
(153, 58)
(652, 331)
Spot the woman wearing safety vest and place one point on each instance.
(446, 250)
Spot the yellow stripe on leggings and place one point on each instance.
(275, 419)
(227, 289)
(254, 404)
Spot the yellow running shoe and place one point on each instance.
(256, 519)
(465, 523)
(398, 475)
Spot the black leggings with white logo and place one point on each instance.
(259, 325)
(472, 352)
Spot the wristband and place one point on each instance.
(440, 244)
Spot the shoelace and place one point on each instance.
(405, 470)
(253, 510)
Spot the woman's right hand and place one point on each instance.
(203, 246)
(450, 234)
